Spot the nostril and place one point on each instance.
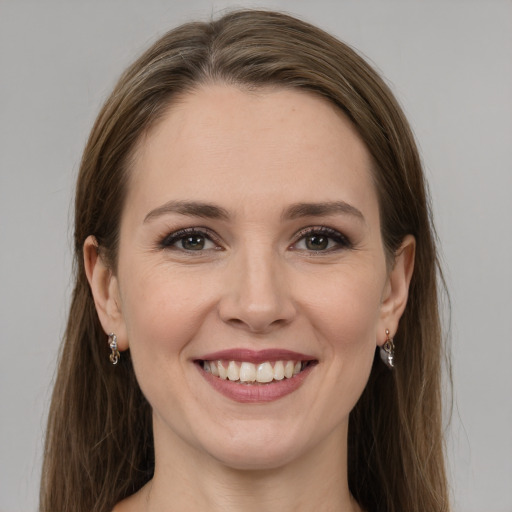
(236, 322)
(256, 312)
(256, 325)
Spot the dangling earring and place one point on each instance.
(112, 343)
(387, 351)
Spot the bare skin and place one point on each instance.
(284, 252)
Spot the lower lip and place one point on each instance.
(256, 393)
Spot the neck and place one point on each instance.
(186, 479)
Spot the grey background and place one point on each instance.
(449, 63)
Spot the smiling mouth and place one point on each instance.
(245, 372)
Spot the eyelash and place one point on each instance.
(169, 240)
(341, 241)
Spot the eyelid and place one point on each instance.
(342, 240)
(171, 238)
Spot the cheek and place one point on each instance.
(162, 313)
(345, 307)
(350, 333)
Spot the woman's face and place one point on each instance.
(250, 250)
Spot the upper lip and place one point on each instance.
(256, 356)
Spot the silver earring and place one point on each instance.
(112, 343)
(387, 351)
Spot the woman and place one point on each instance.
(252, 240)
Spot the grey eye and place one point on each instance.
(193, 242)
(321, 239)
(316, 242)
(190, 240)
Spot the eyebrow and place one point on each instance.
(190, 208)
(295, 211)
(298, 210)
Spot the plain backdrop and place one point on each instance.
(450, 65)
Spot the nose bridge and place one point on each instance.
(258, 296)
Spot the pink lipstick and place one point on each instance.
(250, 376)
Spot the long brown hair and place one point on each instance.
(99, 445)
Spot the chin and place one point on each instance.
(256, 458)
(261, 448)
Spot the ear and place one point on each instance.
(105, 290)
(396, 290)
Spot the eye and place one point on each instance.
(320, 239)
(190, 240)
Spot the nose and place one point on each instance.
(256, 293)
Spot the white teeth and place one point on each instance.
(265, 373)
(250, 372)
(247, 372)
(223, 374)
(288, 369)
(279, 370)
(233, 371)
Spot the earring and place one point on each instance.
(112, 343)
(387, 351)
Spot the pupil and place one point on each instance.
(193, 243)
(317, 242)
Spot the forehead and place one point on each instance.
(224, 143)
